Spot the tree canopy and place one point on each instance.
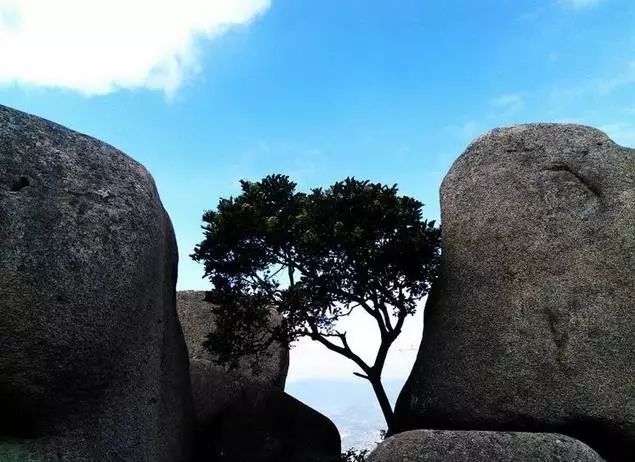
(314, 258)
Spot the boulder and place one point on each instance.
(243, 414)
(264, 424)
(215, 386)
(93, 364)
(530, 326)
(461, 446)
(213, 389)
(197, 320)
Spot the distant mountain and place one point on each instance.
(350, 404)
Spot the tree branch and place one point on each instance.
(350, 310)
(378, 318)
(382, 353)
(384, 311)
(265, 286)
(388, 294)
(291, 273)
(382, 323)
(343, 350)
(401, 317)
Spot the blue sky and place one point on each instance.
(323, 89)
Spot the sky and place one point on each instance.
(205, 93)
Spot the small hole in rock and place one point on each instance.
(20, 183)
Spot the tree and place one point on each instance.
(355, 455)
(315, 258)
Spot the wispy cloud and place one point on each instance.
(510, 102)
(465, 131)
(97, 47)
(470, 129)
(577, 4)
(597, 87)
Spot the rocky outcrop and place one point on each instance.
(93, 365)
(264, 424)
(214, 387)
(268, 368)
(460, 446)
(242, 414)
(530, 327)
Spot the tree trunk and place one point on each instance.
(383, 401)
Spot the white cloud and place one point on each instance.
(598, 87)
(579, 3)
(470, 129)
(465, 131)
(99, 46)
(510, 101)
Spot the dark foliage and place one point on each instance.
(355, 455)
(315, 258)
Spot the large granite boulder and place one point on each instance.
(268, 368)
(462, 446)
(93, 365)
(213, 386)
(243, 414)
(264, 424)
(530, 327)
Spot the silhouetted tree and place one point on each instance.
(315, 258)
(355, 455)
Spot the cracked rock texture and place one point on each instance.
(93, 364)
(462, 446)
(530, 326)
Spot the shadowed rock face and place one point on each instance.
(263, 424)
(243, 414)
(531, 326)
(459, 446)
(93, 365)
(197, 320)
(214, 386)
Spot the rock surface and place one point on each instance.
(531, 325)
(269, 368)
(93, 365)
(264, 424)
(242, 414)
(462, 446)
(213, 386)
